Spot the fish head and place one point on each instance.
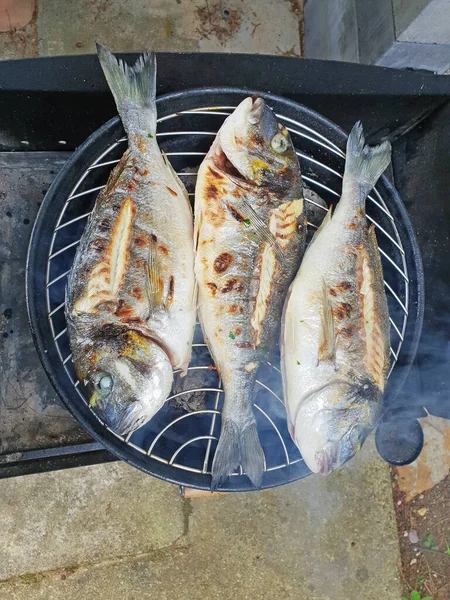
(332, 425)
(258, 147)
(128, 381)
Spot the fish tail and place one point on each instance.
(364, 164)
(238, 445)
(134, 90)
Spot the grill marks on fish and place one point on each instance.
(222, 262)
(212, 188)
(108, 274)
(283, 221)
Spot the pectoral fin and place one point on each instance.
(256, 226)
(327, 338)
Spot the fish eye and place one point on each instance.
(104, 383)
(279, 143)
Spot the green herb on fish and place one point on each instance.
(231, 335)
(149, 135)
(247, 222)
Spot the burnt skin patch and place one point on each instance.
(171, 191)
(163, 249)
(332, 292)
(137, 293)
(142, 240)
(108, 306)
(344, 286)
(154, 238)
(346, 332)
(144, 173)
(169, 299)
(141, 145)
(245, 345)
(222, 262)
(342, 310)
(211, 191)
(215, 216)
(133, 321)
(352, 225)
(235, 309)
(215, 173)
(124, 310)
(132, 185)
(213, 287)
(232, 284)
(339, 314)
(104, 225)
(235, 213)
(98, 245)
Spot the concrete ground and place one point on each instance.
(112, 532)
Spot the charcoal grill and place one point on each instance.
(178, 444)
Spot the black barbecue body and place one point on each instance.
(53, 100)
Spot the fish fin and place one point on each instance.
(327, 338)
(322, 226)
(374, 254)
(364, 164)
(198, 218)
(265, 292)
(376, 327)
(238, 445)
(177, 179)
(134, 90)
(259, 226)
(155, 280)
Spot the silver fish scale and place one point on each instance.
(199, 427)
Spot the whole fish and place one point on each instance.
(335, 337)
(250, 233)
(131, 301)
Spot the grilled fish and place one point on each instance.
(335, 336)
(250, 232)
(131, 302)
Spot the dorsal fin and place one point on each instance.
(327, 338)
(374, 313)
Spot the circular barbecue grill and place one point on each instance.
(178, 444)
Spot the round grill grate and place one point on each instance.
(178, 444)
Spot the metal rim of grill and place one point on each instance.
(322, 162)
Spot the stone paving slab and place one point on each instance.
(329, 538)
(84, 516)
(55, 27)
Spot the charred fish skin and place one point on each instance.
(130, 303)
(250, 232)
(335, 335)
